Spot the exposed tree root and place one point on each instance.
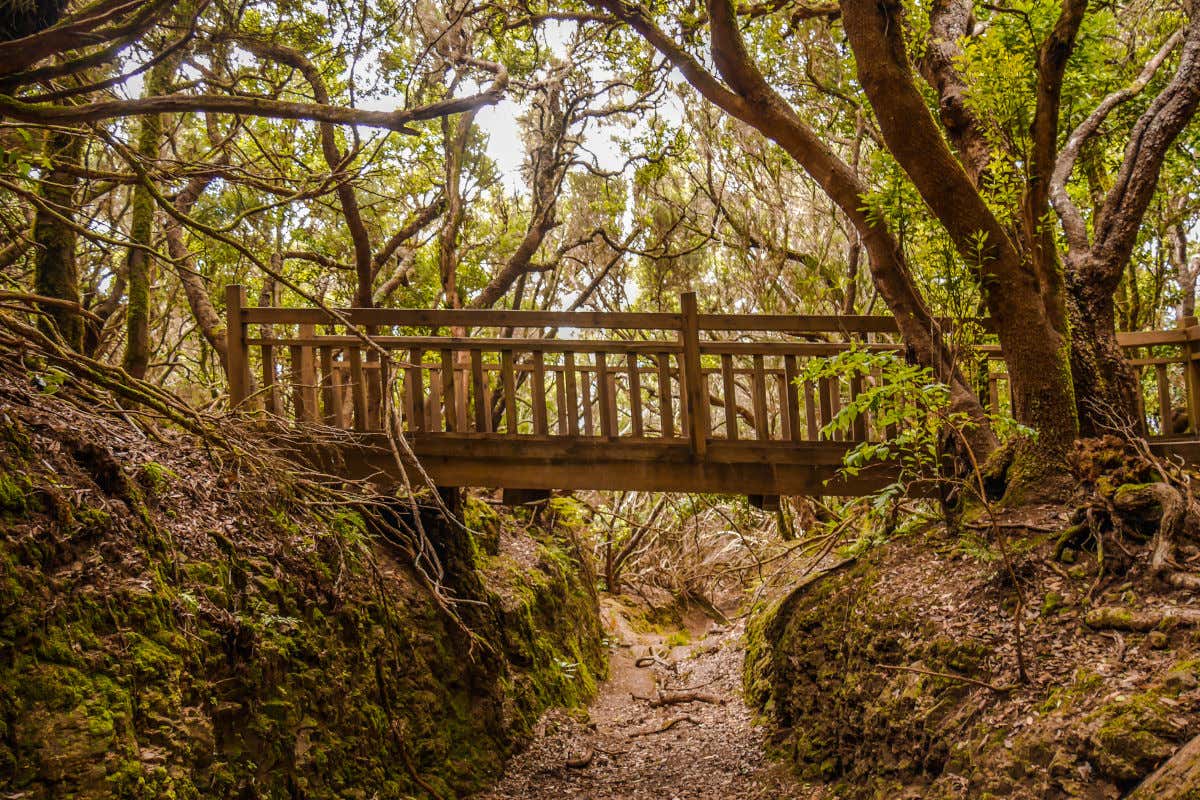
(680, 697)
(666, 726)
(1124, 619)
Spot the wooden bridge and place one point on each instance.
(534, 400)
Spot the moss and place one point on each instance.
(1051, 603)
(678, 639)
(14, 492)
(269, 659)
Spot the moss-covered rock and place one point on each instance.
(172, 633)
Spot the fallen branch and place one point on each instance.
(671, 723)
(1123, 619)
(677, 698)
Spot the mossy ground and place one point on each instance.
(169, 631)
(859, 676)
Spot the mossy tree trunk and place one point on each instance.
(141, 241)
(55, 272)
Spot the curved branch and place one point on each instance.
(1074, 227)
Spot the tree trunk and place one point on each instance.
(55, 272)
(1105, 386)
(141, 237)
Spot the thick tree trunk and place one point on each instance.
(1105, 386)
(55, 272)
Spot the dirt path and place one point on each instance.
(620, 750)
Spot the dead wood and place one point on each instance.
(1123, 619)
(583, 761)
(666, 726)
(1176, 779)
(680, 697)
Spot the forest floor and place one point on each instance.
(629, 744)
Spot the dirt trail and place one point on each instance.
(711, 749)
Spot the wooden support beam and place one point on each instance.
(697, 394)
(235, 345)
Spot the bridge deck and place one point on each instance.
(637, 401)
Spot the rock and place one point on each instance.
(1180, 680)
(1157, 640)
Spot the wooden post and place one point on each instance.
(693, 379)
(235, 345)
(1191, 374)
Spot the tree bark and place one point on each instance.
(1022, 300)
(55, 272)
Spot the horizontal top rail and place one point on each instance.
(464, 317)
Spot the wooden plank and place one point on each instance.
(835, 404)
(461, 395)
(449, 398)
(666, 412)
(792, 323)
(635, 396)
(483, 416)
(374, 378)
(270, 390)
(414, 391)
(761, 424)
(1164, 399)
(604, 397)
(358, 388)
(781, 399)
(729, 396)
(328, 414)
(697, 394)
(509, 383)
(572, 395)
(235, 344)
(859, 426)
(825, 388)
(537, 386)
(1191, 374)
(810, 411)
(791, 402)
(308, 377)
(341, 418)
(436, 397)
(468, 318)
(586, 387)
(993, 393)
(560, 401)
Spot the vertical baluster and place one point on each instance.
(604, 396)
(433, 410)
(1143, 424)
(792, 400)
(414, 390)
(993, 392)
(761, 423)
(538, 388)
(781, 398)
(729, 397)
(448, 391)
(695, 382)
(825, 389)
(509, 382)
(810, 411)
(586, 387)
(386, 396)
(859, 429)
(1191, 374)
(560, 400)
(483, 416)
(1164, 400)
(666, 413)
(338, 378)
(835, 404)
(327, 390)
(572, 395)
(235, 345)
(635, 396)
(358, 388)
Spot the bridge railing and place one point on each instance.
(685, 378)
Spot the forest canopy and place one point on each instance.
(1031, 163)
